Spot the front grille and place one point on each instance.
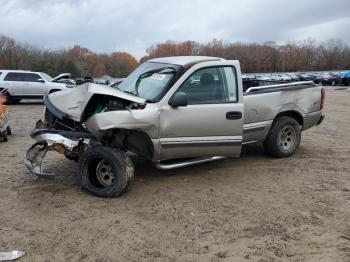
(61, 124)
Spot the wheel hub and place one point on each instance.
(104, 173)
(287, 138)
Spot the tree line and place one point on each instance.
(307, 55)
(78, 61)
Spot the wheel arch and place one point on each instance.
(54, 90)
(293, 114)
(135, 141)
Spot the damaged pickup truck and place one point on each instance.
(174, 112)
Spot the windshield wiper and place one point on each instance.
(126, 91)
(130, 92)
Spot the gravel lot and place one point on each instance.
(253, 208)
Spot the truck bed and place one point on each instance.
(262, 104)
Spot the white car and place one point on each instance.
(26, 84)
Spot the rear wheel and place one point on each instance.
(105, 171)
(284, 137)
(9, 131)
(15, 100)
(8, 98)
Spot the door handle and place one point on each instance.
(233, 115)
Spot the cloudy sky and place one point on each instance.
(124, 25)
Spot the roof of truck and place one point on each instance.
(184, 60)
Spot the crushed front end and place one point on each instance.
(65, 128)
(69, 143)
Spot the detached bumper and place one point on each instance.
(69, 143)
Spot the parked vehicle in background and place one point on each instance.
(330, 78)
(65, 78)
(174, 112)
(263, 77)
(306, 77)
(280, 77)
(293, 76)
(18, 85)
(83, 80)
(344, 78)
(285, 77)
(275, 77)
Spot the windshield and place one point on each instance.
(46, 76)
(150, 80)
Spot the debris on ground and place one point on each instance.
(11, 255)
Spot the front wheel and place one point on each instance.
(284, 137)
(105, 171)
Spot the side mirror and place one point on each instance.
(179, 99)
(41, 80)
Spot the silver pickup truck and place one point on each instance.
(174, 112)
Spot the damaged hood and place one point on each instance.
(72, 102)
(60, 76)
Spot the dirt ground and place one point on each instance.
(253, 208)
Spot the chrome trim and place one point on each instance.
(188, 162)
(258, 88)
(250, 142)
(183, 144)
(57, 139)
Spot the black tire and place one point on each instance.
(9, 131)
(284, 137)
(4, 136)
(105, 171)
(15, 100)
(8, 98)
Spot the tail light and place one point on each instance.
(323, 96)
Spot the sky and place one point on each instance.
(105, 26)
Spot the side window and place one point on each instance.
(213, 85)
(29, 77)
(13, 77)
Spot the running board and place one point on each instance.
(188, 162)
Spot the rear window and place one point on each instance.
(13, 77)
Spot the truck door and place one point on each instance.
(211, 124)
(35, 85)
